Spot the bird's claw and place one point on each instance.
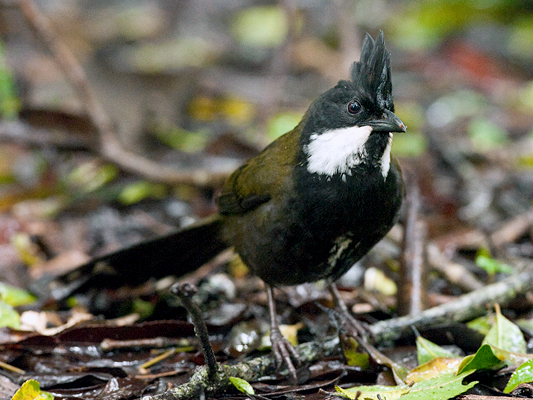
(355, 328)
(284, 353)
(350, 325)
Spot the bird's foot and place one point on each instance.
(349, 324)
(281, 347)
(284, 352)
(353, 327)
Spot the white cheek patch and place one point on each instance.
(385, 159)
(337, 151)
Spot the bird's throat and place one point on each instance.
(385, 158)
(339, 151)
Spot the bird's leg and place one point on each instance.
(281, 347)
(352, 326)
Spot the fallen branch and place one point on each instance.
(462, 309)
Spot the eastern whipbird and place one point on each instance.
(308, 207)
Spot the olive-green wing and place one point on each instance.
(262, 178)
(234, 198)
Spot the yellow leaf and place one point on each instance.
(433, 368)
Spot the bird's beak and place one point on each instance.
(388, 123)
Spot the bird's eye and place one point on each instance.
(354, 107)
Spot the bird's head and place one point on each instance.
(352, 123)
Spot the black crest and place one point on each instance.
(373, 72)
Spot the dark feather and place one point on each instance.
(373, 71)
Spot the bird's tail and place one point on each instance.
(177, 254)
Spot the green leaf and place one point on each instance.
(520, 41)
(372, 392)
(505, 335)
(442, 387)
(523, 374)
(485, 358)
(9, 318)
(26, 250)
(282, 123)
(481, 324)
(439, 388)
(208, 108)
(419, 25)
(427, 351)
(242, 385)
(182, 139)
(167, 56)
(491, 265)
(137, 191)
(9, 101)
(262, 26)
(31, 390)
(377, 280)
(91, 176)
(399, 371)
(409, 144)
(14, 296)
(350, 349)
(486, 136)
(143, 308)
(509, 358)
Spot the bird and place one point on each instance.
(308, 207)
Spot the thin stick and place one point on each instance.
(464, 308)
(455, 273)
(11, 368)
(411, 295)
(185, 291)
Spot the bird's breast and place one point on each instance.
(316, 230)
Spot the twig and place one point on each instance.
(513, 229)
(464, 308)
(157, 342)
(185, 291)
(109, 145)
(412, 287)
(455, 273)
(143, 368)
(11, 368)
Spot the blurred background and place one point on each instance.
(205, 84)
(174, 95)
